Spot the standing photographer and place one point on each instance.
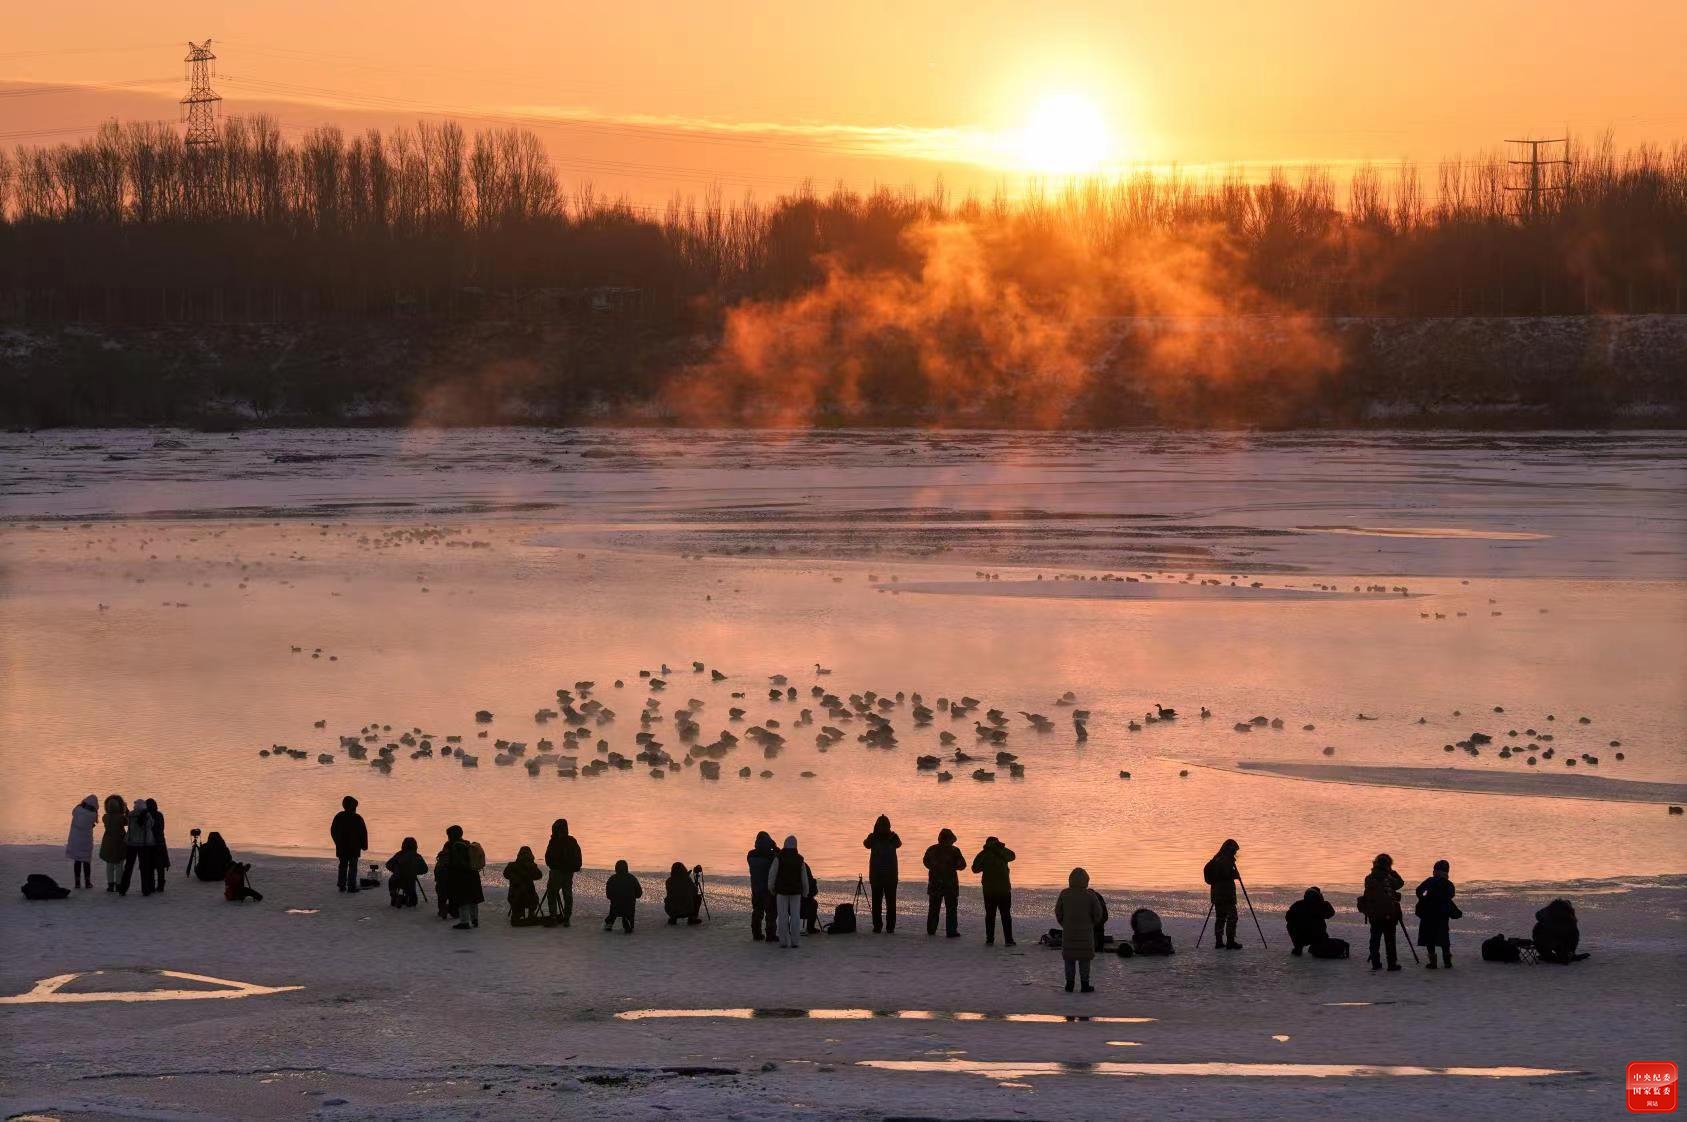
(351, 838)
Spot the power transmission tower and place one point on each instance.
(1539, 177)
(200, 108)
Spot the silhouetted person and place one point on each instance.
(1306, 919)
(236, 888)
(882, 873)
(1435, 909)
(1100, 924)
(138, 849)
(1381, 905)
(562, 858)
(760, 860)
(351, 838)
(462, 875)
(214, 858)
(406, 868)
(114, 841)
(1557, 934)
(160, 846)
(442, 881)
(680, 899)
(810, 903)
(943, 862)
(1221, 874)
(79, 845)
(1079, 912)
(991, 865)
(788, 879)
(623, 891)
(524, 876)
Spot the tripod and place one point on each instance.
(192, 856)
(1251, 911)
(697, 880)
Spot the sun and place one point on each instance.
(1064, 134)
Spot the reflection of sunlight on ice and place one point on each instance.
(1005, 1070)
(48, 990)
(746, 1014)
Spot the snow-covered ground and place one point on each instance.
(397, 1016)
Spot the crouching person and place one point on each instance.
(682, 900)
(623, 891)
(406, 867)
(236, 887)
(524, 875)
(1306, 922)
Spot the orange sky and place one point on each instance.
(664, 96)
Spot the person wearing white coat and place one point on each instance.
(79, 846)
(787, 877)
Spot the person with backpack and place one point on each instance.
(623, 891)
(236, 887)
(114, 843)
(350, 837)
(681, 900)
(760, 860)
(214, 858)
(1381, 907)
(944, 863)
(882, 874)
(138, 849)
(160, 846)
(1306, 921)
(406, 867)
(991, 865)
(562, 858)
(79, 846)
(787, 879)
(524, 875)
(1078, 911)
(1220, 873)
(1557, 934)
(463, 862)
(1148, 934)
(1436, 911)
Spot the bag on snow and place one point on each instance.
(1501, 949)
(1054, 938)
(1124, 949)
(843, 920)
(1329, 947)
(40, 886)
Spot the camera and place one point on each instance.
(195, 831)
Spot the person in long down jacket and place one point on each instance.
(681, 899)
(79, 846)
(882, 873)
(214, 858)
(160, 846)
(1306, 920)
(351, 837)
(1435, 910)
(760, 859)
(1557, 933)
(1220, 873)
(623, 892)
(138, 850)
(114, 844)
(1078, 911)
(1382, 908)
(524, 875)
(562, 858)
(407, 867)
(944, 863)
(462, 879)
(788, 880)
(991, 865)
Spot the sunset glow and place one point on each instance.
(1064, 134)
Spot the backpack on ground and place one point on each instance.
(843, 920)
(1501, 949)
(40, 886)
(1124, 949)
(1053, 938)
(1329, 947)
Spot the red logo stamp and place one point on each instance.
(1651, 1087)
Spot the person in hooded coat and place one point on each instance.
(160, 846)
(79, 846)
(760, 859)
(407, 867)
(681, 899)
(114, 843)
(944, 863)
(1381, 905)
(1435, 909)
(1557, 934)
(462, 877)
(442, 881)
(1078, 911)
(139, 850)
(623, 891)
(991, 865)
(524, 875)
(351, 837)
(1220, 873)
(787, 880)
(214, 858)
(882, 873)
(562, 858)
(1306, 918)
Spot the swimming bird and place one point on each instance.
(1165, 714)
